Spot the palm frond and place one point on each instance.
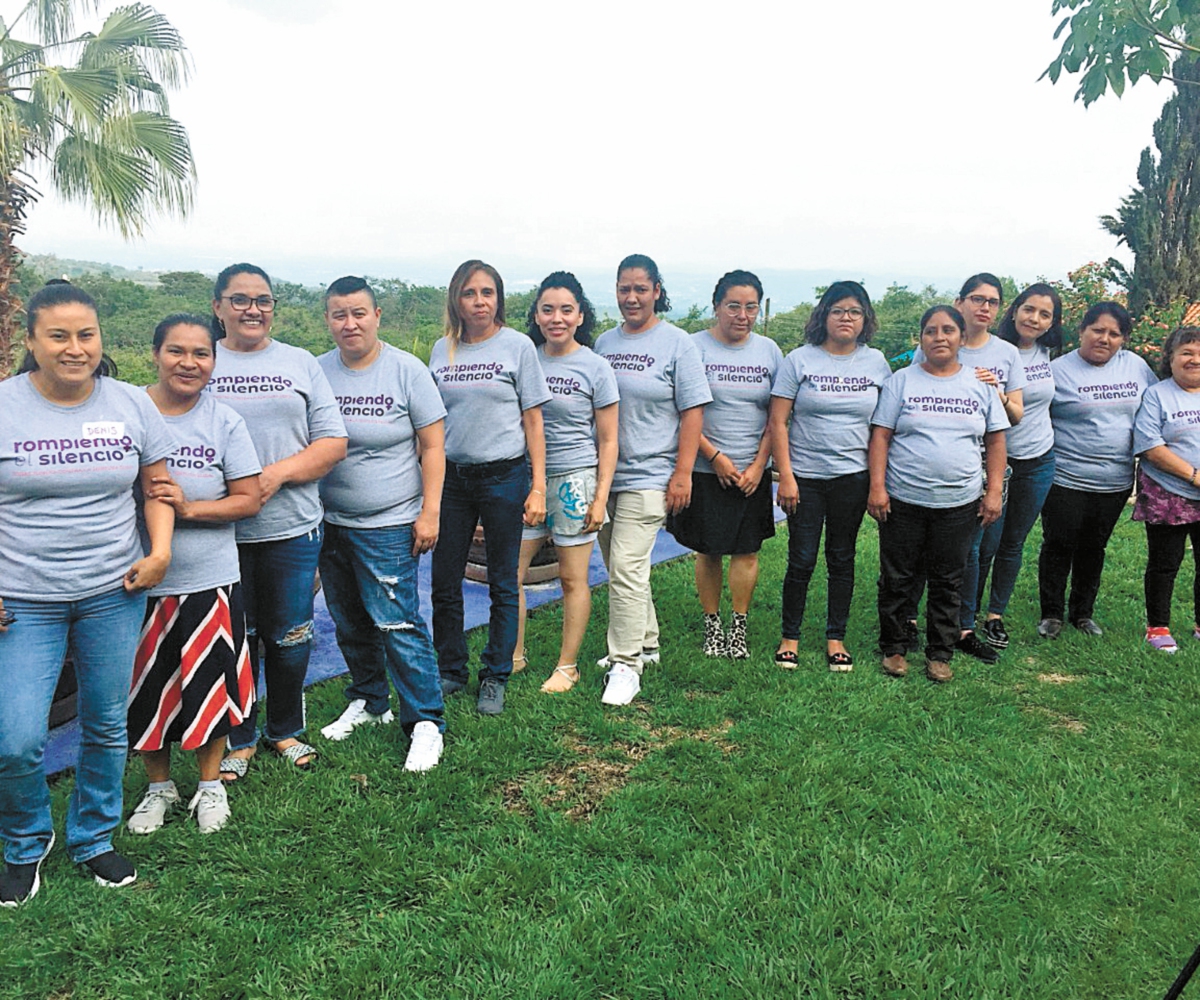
(18, 60)
(54, 20)
(138, 32)
(81, 98)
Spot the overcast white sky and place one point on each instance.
(398, 138)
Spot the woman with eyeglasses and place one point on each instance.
(1032, 324)
(929, 491)
(731, 511)
(1098, 388)
(997, 364)
(297, 430)
(821, 407)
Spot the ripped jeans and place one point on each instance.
(370, 581)
(277, 588)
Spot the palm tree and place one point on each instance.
(101, 122)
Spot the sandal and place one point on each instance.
(293, 754)
(570, 674)
(522, 664)
(839, 663)
(786, 659)
(237, 766)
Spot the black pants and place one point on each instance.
(1076, 527)
(1165, 543)
(938, 539)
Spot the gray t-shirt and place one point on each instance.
(580, 383)
(1169, 416)
(287, 404)
(1092, 412)
(486, 389)
(68, 523)
(833, 397)
(1034, 435)
(739, 379)
(214, 448)
(938, 425)
(998, 356)
(660, 374)
(384, 405)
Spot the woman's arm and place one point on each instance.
(244, 500)
(752, 475)
(679, 488)
(727, 473)
(788, 494)
(606, 466)
(995, 461)
(431, 445)
(1165, 460)
(879, 504)
(1013, 401)
(149, 571)
(535, 445)
(306, 466)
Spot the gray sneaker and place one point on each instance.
(491, 696)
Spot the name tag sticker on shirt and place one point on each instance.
(104, 429)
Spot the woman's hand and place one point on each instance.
(165, 488)
(269, 482)
(679, 493)
(3, 617)
(425, 532)
(535, 508)
(147, 572)
(751, 477)
(727, 473)
(990, 508)
(788, 494)
(594, 519)
(987, 377)
(879, 505)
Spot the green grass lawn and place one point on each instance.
(1028, 830)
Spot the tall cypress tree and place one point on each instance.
(1160, 220)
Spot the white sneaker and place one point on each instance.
(621, 686)
(426, 749)
(356, 715)
(648, 656)
(210, 806)
(152, 810)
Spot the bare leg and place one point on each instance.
(573, 564)
(208, 758)
(709, 581)
(529, 549)
(743, 575)
(158, 763)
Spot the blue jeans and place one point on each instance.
(494, 494)
(837, 506)
(277, 589)
(102, 633)
(1004, 542)
(370, 580)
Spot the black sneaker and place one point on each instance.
(491, 697)
(995, 634)
(912, 637)
(451, 685)
(112, 870)
(972, 646)
(20, 883)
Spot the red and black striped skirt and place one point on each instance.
(192, 680)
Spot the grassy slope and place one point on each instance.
(740, 831)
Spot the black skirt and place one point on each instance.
(724, 522)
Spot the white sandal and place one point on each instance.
(515, 661)
(567, 670)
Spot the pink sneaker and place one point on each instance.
(1161, 639)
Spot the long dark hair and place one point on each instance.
(816, 329)
(1053, 337)
(634, 261)
(568, 282)
(59, 292)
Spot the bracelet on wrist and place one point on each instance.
(713, 458)
(1192, 481)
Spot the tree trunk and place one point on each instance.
(15, 197)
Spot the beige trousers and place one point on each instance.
(626, 541)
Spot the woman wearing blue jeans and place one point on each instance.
(297, 430)
(493, 390)
(72, 576)
(1033, 323)
(821, 406)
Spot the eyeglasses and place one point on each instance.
(241, 302)
(736, 308)
(837, 312)
(979, 301)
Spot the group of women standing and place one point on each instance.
(163, 536)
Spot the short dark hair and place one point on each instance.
(982, 278)
(1113, 309)
(1053, 337)
(59, 292)
(565, 280)
(736, 279)
(222, 283)
(636, 261)
(349, 285)
(950, 311)
(1178, 337)
(816, 331)
(169, 323)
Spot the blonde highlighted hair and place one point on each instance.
(453, 323)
